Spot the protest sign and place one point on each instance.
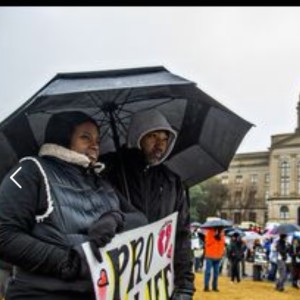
(195, 243)
(260, 257)
(137, 264)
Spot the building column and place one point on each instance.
(293, 175)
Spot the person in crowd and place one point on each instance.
(153, 188)
(62, 203)
(267, 246)
(282, 248)
(213, 253)
(234, 254)
(197, 247)
(243, 257)
(259, 230)
(227, 261)
(272, 261)
(294, 252)
(257, 265)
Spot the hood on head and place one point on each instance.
(146, 121)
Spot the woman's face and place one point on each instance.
(86, 140)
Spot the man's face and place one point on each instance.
(154, 145)
(85, 140)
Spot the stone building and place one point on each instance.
(265, 186)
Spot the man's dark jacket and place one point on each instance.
(157, 192)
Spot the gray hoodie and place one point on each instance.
(147, 121)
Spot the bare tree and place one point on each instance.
(243, 199)
(207, 199)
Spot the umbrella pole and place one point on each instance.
(187, 194)
(119, 154)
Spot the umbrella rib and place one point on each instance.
(122, 132)
(94, 101)
(130, 112)
(121, 104)
(103, 133)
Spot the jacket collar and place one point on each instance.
(70, 156)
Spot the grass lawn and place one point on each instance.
(247, 289)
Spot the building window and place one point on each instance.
(252, 195)
(284, 212)
(252, 216)
(253, 178)
(238, 197)
(266, 217)
(237, 218)
(238, 179)
(267, 178)
(267, 194)
(224, 179)
(284, 178)
(298, 176)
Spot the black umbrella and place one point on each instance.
(285, 228)
(216, 223)
(208, 133)
(235, 232)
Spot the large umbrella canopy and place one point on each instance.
(250, 237)
(220, 223)
(208, 133)
(196, 224)
(285, 228)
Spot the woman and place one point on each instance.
(62, 203)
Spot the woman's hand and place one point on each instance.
(102, 231)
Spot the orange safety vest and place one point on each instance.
(214, 248)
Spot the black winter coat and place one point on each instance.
(235, 251)
(157, 192)
(282, 248)
(37, 249)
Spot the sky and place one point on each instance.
(247, 58)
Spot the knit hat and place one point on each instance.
(61, 126)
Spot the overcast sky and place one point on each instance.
(247, 58)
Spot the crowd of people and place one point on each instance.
(69, 197)
(273, 258)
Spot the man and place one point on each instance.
(282, 248)
(213, 252)
(294, 252)
(153, 188)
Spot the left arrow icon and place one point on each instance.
(12, 178)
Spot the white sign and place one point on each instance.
(260, 257)
(137, 264)
(195, 244)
